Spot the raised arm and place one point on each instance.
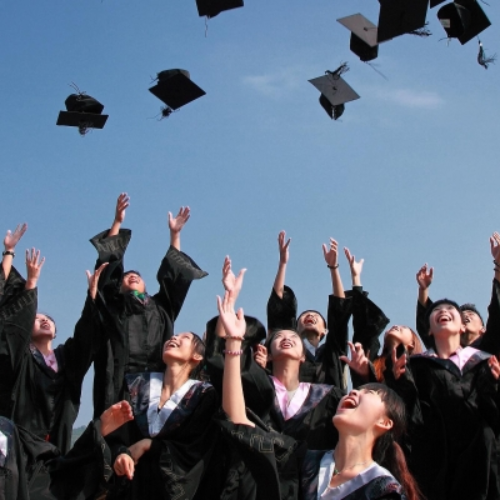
(490, 340)
(34, 266)
(368, 320)
(10, 241)
(176, 224)
(122, 204)
(233, 401)
(424, 278)
(282, 304)
(331, 255)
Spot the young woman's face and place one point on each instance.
(287, 344)
(180, 347)
(360, 411)
(43, 327)
(446, 318)
(400, 335)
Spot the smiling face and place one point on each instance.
(286, 344)
(44, 328)
(311, 321)
(132, 281)
(181, 347)
(446, 319)
(362, 411)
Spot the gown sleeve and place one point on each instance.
(490, 340)
(422, 324)
(369, 321)
(282, 312)
(176, 273)
(339, 313)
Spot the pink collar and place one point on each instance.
(289, 408)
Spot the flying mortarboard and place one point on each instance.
(210, 8)
(363, 36)
(435, 3)
(175, 88)
(335, 91)
(82, 111)
(398, 17)
(463, 19)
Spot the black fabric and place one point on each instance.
(325, 366)
(35, 397)
(135, 330)
(453, 420)
(180, 454)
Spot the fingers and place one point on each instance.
(494, 366)
(346, 360)
(348, 255)
(101, 268)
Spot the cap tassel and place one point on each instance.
(421, 32)
(343, 68)
(482, 59)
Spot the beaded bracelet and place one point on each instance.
(332, 267)
(233, 353)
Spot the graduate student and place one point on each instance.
(367, 421)
(41, 386)
(136, 324)
(164, 453)
(451, 397)
(477, 334)
(322, 364)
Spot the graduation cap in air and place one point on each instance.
(82, 111)
(335, 91)
(210, 8)
(398, 17)
(363, 36)
(175, 88)
(463, 19)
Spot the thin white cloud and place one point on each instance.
(276, 84)
(411, 98)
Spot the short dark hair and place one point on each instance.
(471, 307)
(437, 304)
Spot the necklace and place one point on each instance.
(337, 472)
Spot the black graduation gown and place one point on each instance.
(453, 422)
(39, 399)
(11, 286)
(135, 330)
(13, 478)
(81, 474)
(180, 454)
(324, 367)
(489, 341)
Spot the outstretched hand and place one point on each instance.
(359, 362)
(122, 203)
(283, 247)
(356, 266)
(34, 266)
(331, 254)
(424, 277)
(12, 239)
(495, 248)
(260, 355)
(494, 367)
(176, 223)
(93, 279)
(115, 416)
(232, 283)
(398, 364)
(234, 323)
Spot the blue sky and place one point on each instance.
(408, 175)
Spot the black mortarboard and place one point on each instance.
(211, 8)
(175, 88)
(398, 17)
(83, 111)
(363, 36)
(463, 19)
(335, 91)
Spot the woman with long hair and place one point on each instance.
(368, 421)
